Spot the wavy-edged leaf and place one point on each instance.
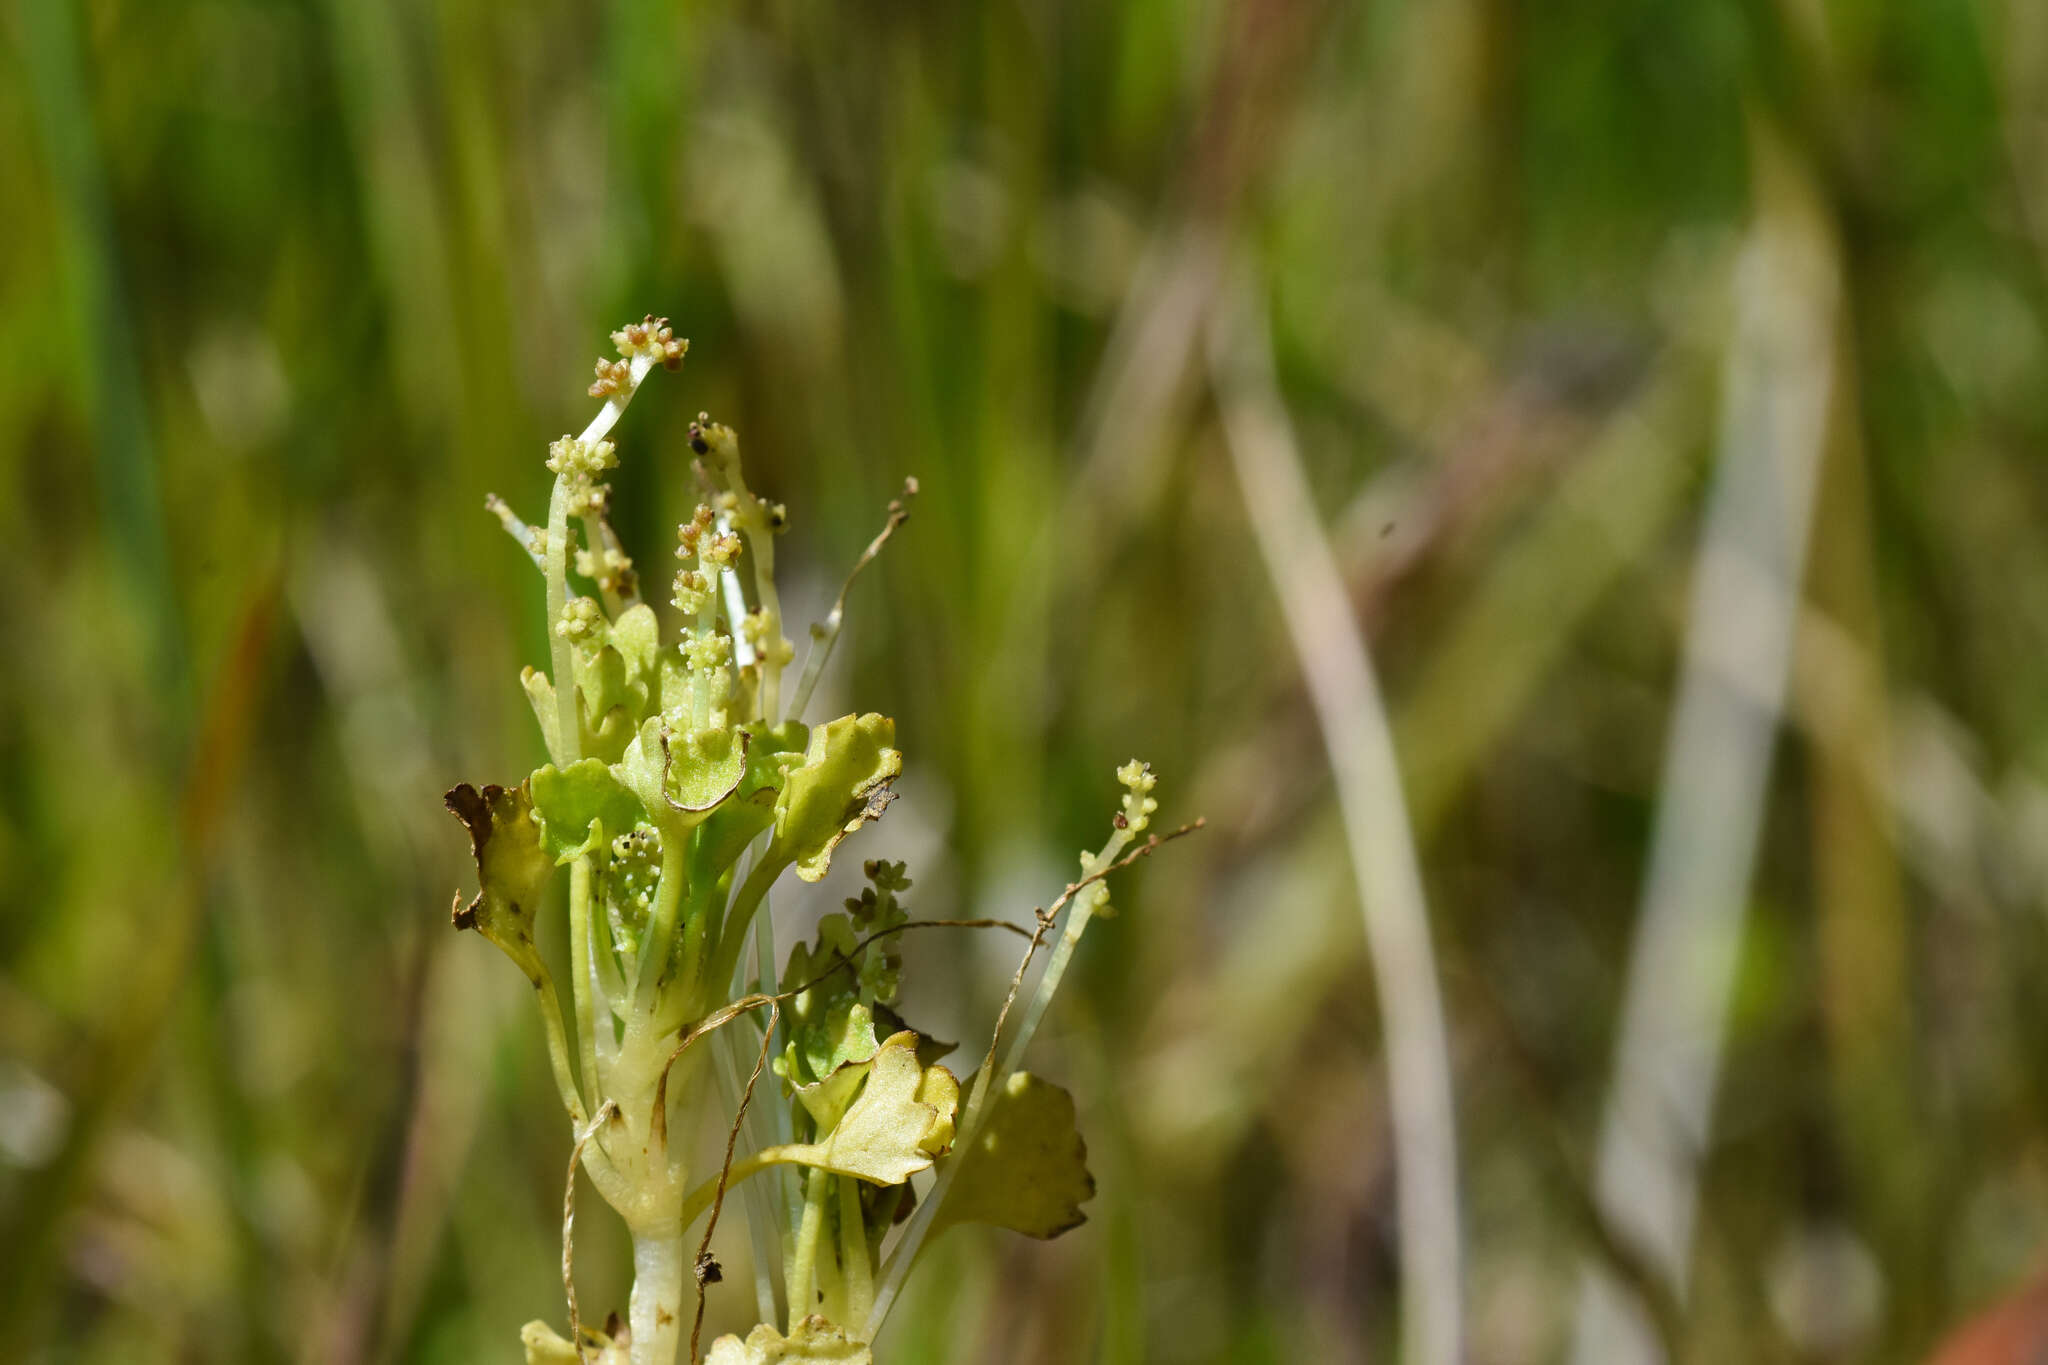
(771, 750)
(816, 1342)
(545, 1346)
(939, 1090)
(540, 694)
(637, 637)
(703, 768)
(511, 866)
(880, 1136)
(581, 807)
(682, 778)
(842, 784)
(827, 1057)
(1027, 1168)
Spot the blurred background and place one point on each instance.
(1667, 378)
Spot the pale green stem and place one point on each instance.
(700, 681)
(764, 970)
(823, 637)
(594, 536)
(660, 938)
(857, 1276)
(735, 599)
(608, 989)
(1085, 905)
(568, 734)
(802, 1276)
(1079, 913)
(569, 740)
(608, 415)
(558, 1046)
(732, 936)
(515, 528)
(825, 634)
(763, 548)
(761, 1225)
(581, 984)
(659, 1258)
(694, 931)
(787, 1154)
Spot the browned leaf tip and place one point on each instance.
(879, 798)
(511, 868)
(473, 809)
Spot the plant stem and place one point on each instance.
(568, 734)
(582, 983)
(696, 932)
(802, 1275)
(661, 923)
(657, 1305)
(558, 1047)
(897, 1269)
(732, 940)
(856, 1273)
(763, 548)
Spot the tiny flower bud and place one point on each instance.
(614, 379)
(582, 459)
(580, 620)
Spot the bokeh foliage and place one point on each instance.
(288, 285)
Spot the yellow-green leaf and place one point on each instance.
(511, 867)
(881, 1135)
(842, 784)
(545, 1346)
(1027, 1168)
(816, 1342)
(681, 778)
(939, 1090)
(581, 807)
(752, 809)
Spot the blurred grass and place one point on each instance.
(286, 287)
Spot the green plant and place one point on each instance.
(682, 785)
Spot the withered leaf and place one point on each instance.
(512, 868)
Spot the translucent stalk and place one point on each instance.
(656, 1311)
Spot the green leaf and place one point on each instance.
(843, 784)
(610, 701)
(540, 693)
(637, 637)
(881, 1135)
(618, 679)
(816, 1342)
(705, 767)
(939, 1090)
(511, 867)
(827, 1055)
(771, 751)
(640, 769)
(1027, 1169)
(601, 733)
(682, 778)
(581, 807)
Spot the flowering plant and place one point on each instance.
(682, 783)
